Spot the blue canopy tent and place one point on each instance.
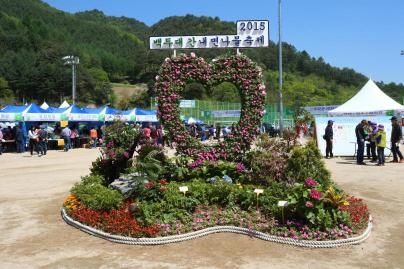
(34, 113)
(12, 113)
(112, 114)
(75, 113)
(146, 115)
(129, 115)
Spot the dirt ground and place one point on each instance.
(33, 235)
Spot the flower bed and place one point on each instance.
(134, 190)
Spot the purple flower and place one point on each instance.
(240, 167)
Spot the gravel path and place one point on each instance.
(33, 235)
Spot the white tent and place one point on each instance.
(64, 104)
(370, 100)
(44, 106)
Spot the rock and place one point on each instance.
(125, 184)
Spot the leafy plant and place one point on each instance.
(307, 202)
(94, 195)
(305, 162)
(121, 141)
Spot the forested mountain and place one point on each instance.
(34, 37)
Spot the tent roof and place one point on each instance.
(145, 112)
(75, 109)
(369, 99)
(13, 109)
(55, 110)
(34, 108)
(64, 104)
(44, 105)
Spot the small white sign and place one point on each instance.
(258, 191)
(283, 203)
(184, 189)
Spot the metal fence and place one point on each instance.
(211, 112)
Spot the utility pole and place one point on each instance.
(280, 69)
(73, 61)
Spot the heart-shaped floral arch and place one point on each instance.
(246, 75)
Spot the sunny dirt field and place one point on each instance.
(33, 235)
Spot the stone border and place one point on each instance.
(218, 229)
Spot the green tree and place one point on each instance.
(226, 92)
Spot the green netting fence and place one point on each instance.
(211, 112)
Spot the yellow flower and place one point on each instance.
(346, 203)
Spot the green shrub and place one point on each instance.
(146, 149)
(96, 196)
(92, 179)
(266, 167)
(305, 162)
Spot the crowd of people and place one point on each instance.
(36, 139)
(372, 135)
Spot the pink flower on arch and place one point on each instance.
(315, 194)
(309, 182)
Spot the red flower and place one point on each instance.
(149, 185)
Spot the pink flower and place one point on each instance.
(240, 167)
(309, 204)
(193, 55)
(315, 194)
(126, 154)
(310, 182)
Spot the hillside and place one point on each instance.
(34, 37)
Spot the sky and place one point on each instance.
(366, 35)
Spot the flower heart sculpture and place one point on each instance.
(246, 75)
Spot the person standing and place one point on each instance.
(380, 139)
(1, 142)
(329, 136)
(66, 133)
(43, 140)
(396, 136)
(94, 137)
(19, 139)
(360, 139)
(218, 132)
(372, 132)
(74, 138)
(33, 140)
(147, 132)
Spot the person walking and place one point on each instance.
(396, 136)
(360, 139)
(380, 139)
(66, 133)
(94, 137)
(33, 140)
(43, 140)
(329, 136)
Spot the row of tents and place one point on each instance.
(66, 112)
